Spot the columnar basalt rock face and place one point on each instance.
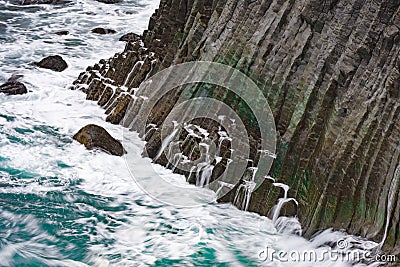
(330, 71)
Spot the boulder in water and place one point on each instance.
(94, 136)
(55, 63)
(64, 32)
(109, 1)
(13, 86)
(103, 31)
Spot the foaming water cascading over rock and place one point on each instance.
(200, 134)
(331, 76)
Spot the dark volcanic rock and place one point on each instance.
(94, 136)
(42, 2)
(130, 37)
(36, 2)
(13, 88)
(55, 63)
(103, 31)
(62, 33)
(109, 1)
(331, 74)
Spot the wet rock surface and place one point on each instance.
(63, 32)
(331, 76)
(130, 37)
(103, 31)
(94, 136)
(55, 63)
(13, 86)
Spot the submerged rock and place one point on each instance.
(62, 32)
(36, 2)
(130, 37)
(94, 136)
(103, 31)
(15, 77)
(109, 1)
(42, 2)
(56, 63)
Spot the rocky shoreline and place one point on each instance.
(331, 74)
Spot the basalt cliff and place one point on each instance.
(330, 70)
